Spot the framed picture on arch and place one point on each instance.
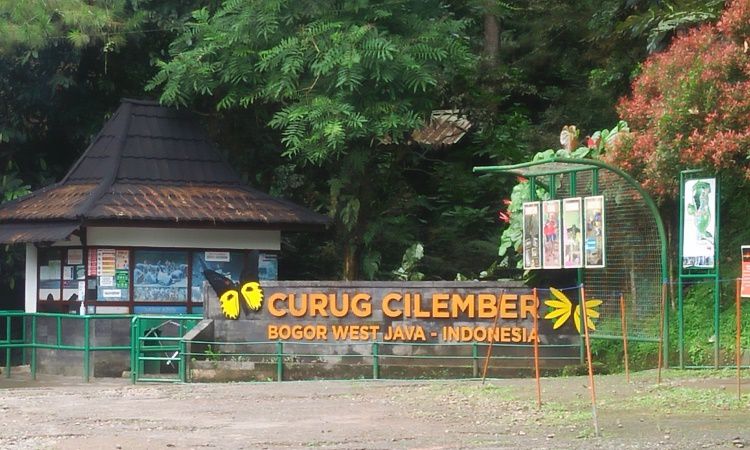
(551, 229)
(532, 255)
(595, 231)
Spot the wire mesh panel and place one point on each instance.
(632, 254)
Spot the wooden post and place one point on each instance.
(536, 352)
(492, 334)
(737, 338)
(585, 325)
(624, 323)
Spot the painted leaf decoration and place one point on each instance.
(561, 320)
(577, 318)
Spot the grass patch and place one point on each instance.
(684, 399)
(556, 413)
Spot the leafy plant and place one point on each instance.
(689, 106)
(511, 241)
(408, 270)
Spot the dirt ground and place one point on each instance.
(687, 410)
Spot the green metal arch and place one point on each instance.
(591, 164)
(600, 164)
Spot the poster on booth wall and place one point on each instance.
(92, 262)
(268, 267)
(594, 237)
(75, 256)
(699, 226)
(105, 262)
(552, 243)
(572, 220)
(532, 255)
(745, 281)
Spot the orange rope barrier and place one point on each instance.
(584, 322)
(536, 352)
(624, 322)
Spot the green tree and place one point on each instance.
(348, 82)
(64, 64)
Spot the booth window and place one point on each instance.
(149, 280)
(111, 270)
(50, 273)
(62, 274)
(229, 264)
(160, 276)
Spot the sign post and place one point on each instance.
(742, 291)
(699, 244)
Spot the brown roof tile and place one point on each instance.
(196, 203)
(52, 203)
(446, 127)
(152, 163)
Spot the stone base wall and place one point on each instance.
(102, 333)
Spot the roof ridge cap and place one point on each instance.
(141, 102)
(109, 178)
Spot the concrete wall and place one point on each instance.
(103, 333)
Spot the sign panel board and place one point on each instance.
(699, 227)
(745, 281)
(552, 257)
(572, 231)
(429, 312)
(595, 248)
(532, 254)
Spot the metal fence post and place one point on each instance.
(23, 339)
(474, 359)
(133, 349)
(183, 362)
(375, 361)
(58, 330)
(7, 349)
(279, 361)
(86, 349)
(33, 346)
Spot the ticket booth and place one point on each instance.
(137, 219)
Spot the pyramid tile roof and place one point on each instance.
(150, 163)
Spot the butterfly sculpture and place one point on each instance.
(247, 295)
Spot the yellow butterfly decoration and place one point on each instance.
(562, 309)
(232, 296)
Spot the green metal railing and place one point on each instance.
(30, 341)
(8, 343)
(376, 357)
(157, 341)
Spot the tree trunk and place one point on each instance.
(491, 36)
(351, 266)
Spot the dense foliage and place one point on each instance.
(690, 106)
(316, 102)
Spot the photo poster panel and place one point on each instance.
(228, 264)
(160, 276)
(268, 267)
(531, 236)
(112, 281)
(699, 226)
(572, 233)
(594, 254)
(551, 227)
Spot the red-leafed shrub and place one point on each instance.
(690, 105)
